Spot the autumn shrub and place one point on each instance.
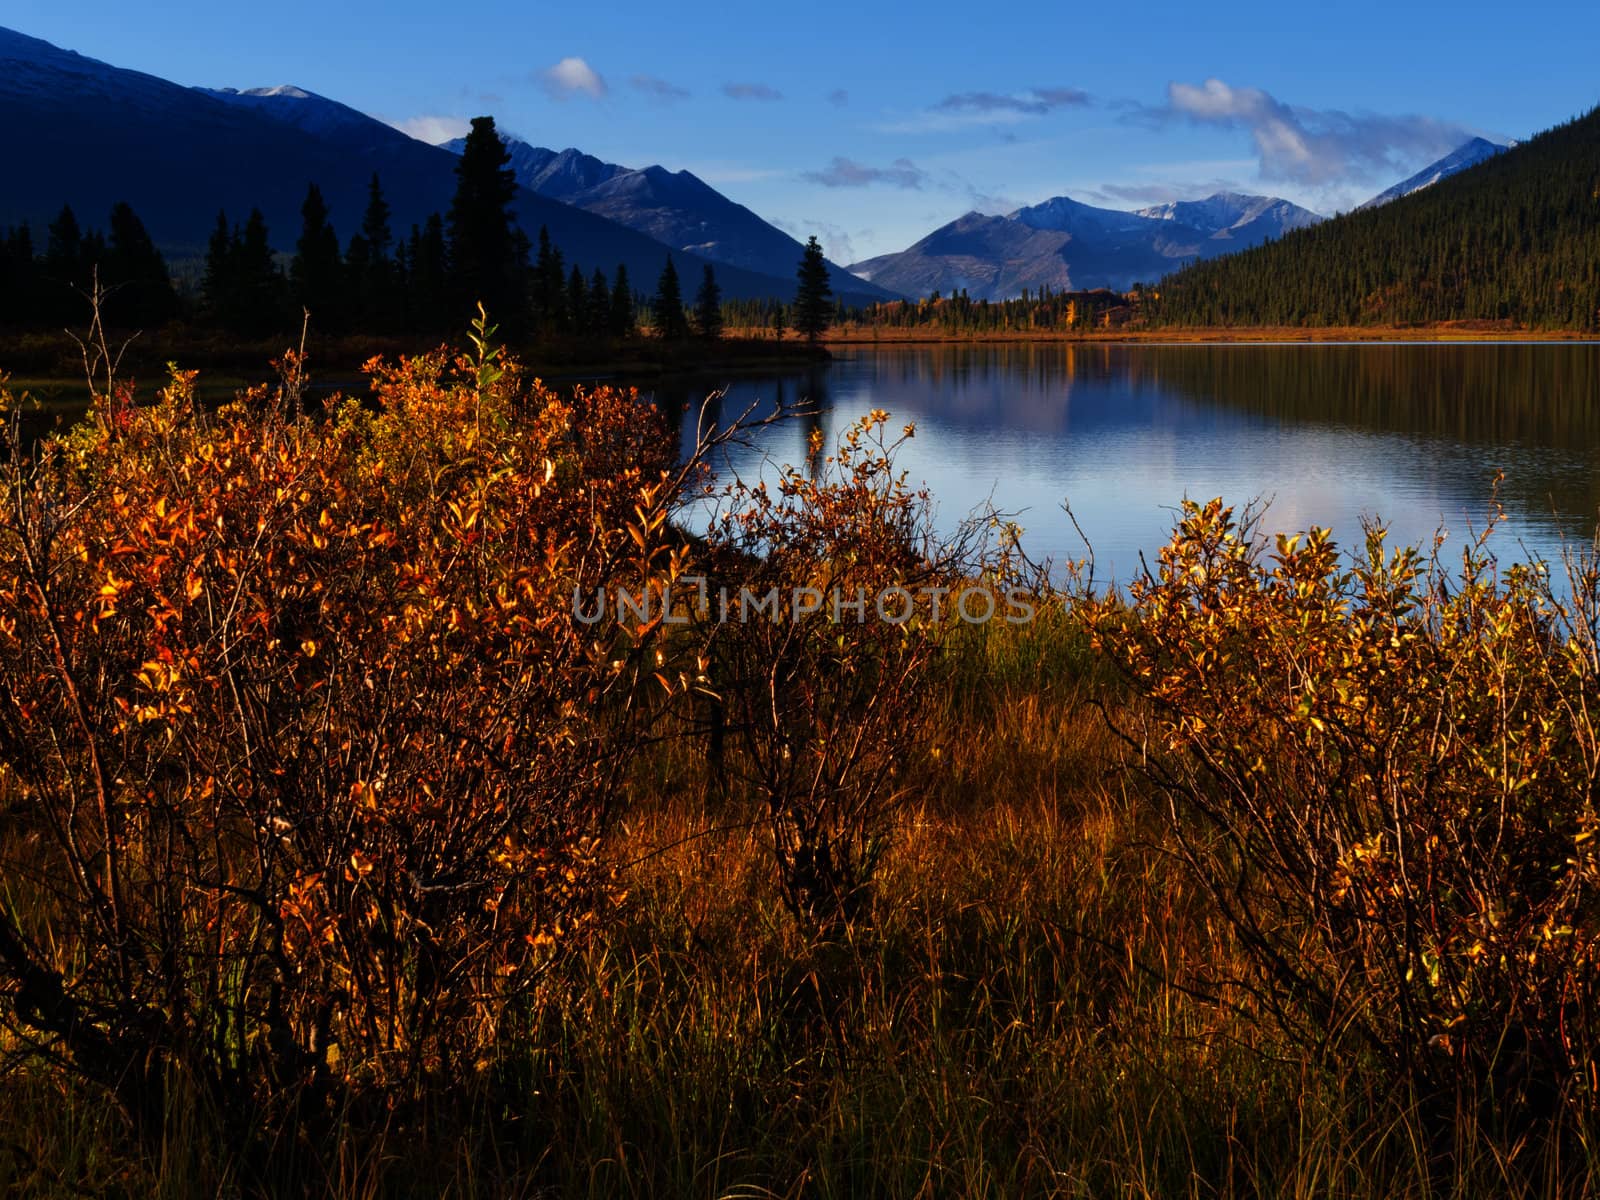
(305, 759)
(1384, 773)
(820, 657)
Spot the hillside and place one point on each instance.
(77, 131)
(1514, 238)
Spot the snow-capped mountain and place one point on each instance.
(561, 176)
(674, 207)
(1236, 216)
(1066, 245)
(305, 110)
(1469, 154)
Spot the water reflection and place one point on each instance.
(1411, 434)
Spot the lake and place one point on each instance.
(1410, 434)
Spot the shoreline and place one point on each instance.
(1214, 336)
(648, 362)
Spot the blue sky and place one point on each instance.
(871, 124)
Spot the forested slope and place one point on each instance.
(1516, 238)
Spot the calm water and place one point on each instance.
(1326, 435)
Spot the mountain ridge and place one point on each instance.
(91, 134)
(676, 208)
(1067, 245)
(1468, 154)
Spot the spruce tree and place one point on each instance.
(261, 305)
(599, 318)
(708, 307)
(217, 285)
(314, 272)
(671, 324)
(813, 293)
(375, 223)
(549, 288)
(371, 279)
(427, 278)
(19, 277)
(624, 320)
(63, 252)
(485, 266)
(577, 303)
(143, 292)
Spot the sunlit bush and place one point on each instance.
(828, 692)
(1385, 772)
(305, 759)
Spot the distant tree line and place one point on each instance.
(958, 315)
(45, 285)
(377, 282)
(426, 283)
(1516, 238)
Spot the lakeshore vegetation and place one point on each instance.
(340, 856)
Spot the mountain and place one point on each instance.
(559, 176)
(1469, 154)
(78, 131)
(1513, 238)
(1066, 245)
(1236, 217)
(674, 207)
(316, 115)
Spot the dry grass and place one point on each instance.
(1010, 1025)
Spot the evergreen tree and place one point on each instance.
(261, 305)
(314, 273)
(217, 285)
(485, 266)
(624, 320)
(375, 223)
(577, 303)
(63, 269)
(19, 277)
(671, 324)
(63, 252)
(371, 280)
(136, 271)
(708, 307)
(548, 287)
(812, 309)
(427, 278)
(599, 318)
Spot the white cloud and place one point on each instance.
(948, 121)
(433, 129)
(1314, 147)
(1034, 102)
(573, 77)
(847, 173)
(726, 172)
(751, 91)
(661, 89)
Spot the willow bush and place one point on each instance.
(1384, 772)
(305, 760)
(821, 665)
